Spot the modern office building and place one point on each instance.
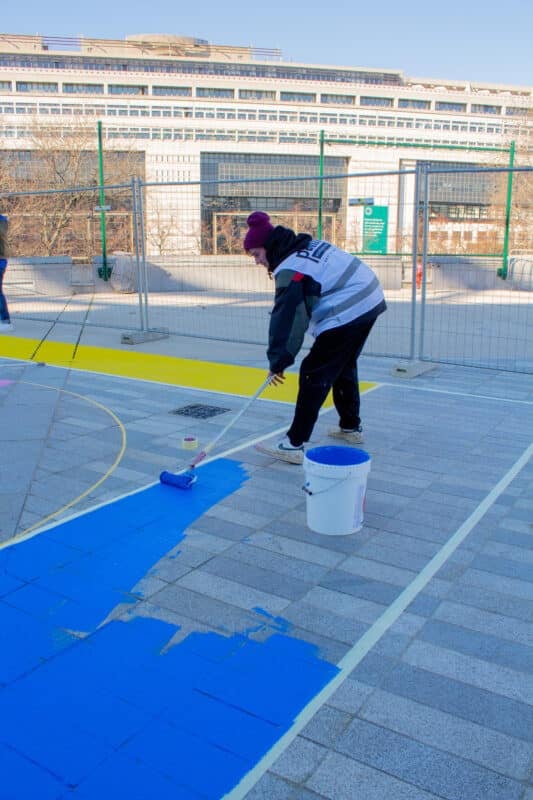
(205, 113)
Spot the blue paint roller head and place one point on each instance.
(183, 481)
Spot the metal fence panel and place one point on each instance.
(71, 262)
(201, 283)
(476, 307)
(449, 244)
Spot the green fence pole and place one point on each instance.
(104, 272)
(502, 272)
(320, 185)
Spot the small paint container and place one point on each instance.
(189, 443)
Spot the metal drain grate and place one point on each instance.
(199, 411)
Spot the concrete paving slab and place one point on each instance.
(432, 699)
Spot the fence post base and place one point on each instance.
(139, 337)
(410, 369)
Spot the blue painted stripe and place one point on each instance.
(92, 710)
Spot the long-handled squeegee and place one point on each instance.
(185, 479)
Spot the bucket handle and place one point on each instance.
(329, 488)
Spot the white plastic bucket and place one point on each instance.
(335, 487)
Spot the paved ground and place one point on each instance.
(207, 644)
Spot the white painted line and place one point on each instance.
(354, 656)
(474, 395)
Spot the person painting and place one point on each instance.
(339, 298)
(5, 320)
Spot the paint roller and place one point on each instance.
(186, 479)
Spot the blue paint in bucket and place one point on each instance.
(338, 456)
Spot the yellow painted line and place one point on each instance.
(191, 373)
(15, 347)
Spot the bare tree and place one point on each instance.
(228, 235)
(51, 191)
(162, 229)
(517, 187)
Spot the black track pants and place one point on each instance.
(330, 364)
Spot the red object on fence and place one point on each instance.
(419, 275)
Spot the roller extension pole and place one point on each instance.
(186, 479)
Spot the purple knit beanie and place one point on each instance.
(259, 229)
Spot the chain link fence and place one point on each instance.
(451, 245)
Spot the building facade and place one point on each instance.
(228, 120)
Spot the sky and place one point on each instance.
(456, 39)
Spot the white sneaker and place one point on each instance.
(351, 436)
(5, 326)
(284, 451)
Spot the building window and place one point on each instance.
(338, 99)
(256, 94)
(117, 111)
(384, 102)
(442, 105)
(515, 111)
(367, 120)
(73, 61)
(172, 91)
(458, 211)
(426, 124)
(297, 97)
(478, 108)
(36, 86)
(138, 111)
(225, 205)
(161, 111)
(65, 109)
(405, 103)
(83, 88)
(5, 86)
(117, 88)
(203, 91)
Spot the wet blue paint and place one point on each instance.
(279, 623)
(102, 712)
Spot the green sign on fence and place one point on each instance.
(375, 229)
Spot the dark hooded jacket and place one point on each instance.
(316, 283)
(293, 299)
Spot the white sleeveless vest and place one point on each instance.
(349, 287)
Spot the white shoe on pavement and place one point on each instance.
(284, 451)
(351, 436)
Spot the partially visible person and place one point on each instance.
(5, 319)
(339, 297)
